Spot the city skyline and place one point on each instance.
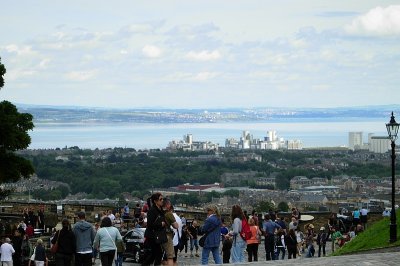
(201, 54)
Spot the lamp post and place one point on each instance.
(392, 129)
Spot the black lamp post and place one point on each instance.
(393, 129)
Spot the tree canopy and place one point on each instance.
(13, 137)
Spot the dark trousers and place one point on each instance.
(63, 259)
(292, 252)
(107, 258)
(153, 253)
(226, 255)
(252, 252)
(269, 247)
(323, 250)
(83, 259)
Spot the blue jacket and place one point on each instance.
(212, 225)
(84, 235)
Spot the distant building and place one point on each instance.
(187, 144)
(355, 140)
(379, 144)
(197, 187)
(300, 182)
(270, 142)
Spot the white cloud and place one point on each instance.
(23, 50)
(202, 76)
(44, 63)
(378, 21)
(17, 74)
(151, 51)
(81, 75)
(204, 55)
(321, 87)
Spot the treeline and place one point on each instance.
(108, 174)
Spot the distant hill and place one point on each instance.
(72, 114)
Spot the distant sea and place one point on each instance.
(142, 135)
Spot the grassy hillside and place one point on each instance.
(376, 236)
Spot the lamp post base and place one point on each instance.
(393, 233)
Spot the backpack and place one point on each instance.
(246, 232)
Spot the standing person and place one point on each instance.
(252, 243)
(40, 254)
(40, 219)
(291, 244)
(309, 239)
(226, 242)
(356, 216)
(280, 244)
(125, 214)
(364, 217)
(321, 241)
(211, 227)
(25, 248)
(155, 222)
(239, 244)
(106, 238)
(138, 211)
(269, 228)
(94, 250)
(7, 251)
(300, 240)
(170, 225)
(117, 223)
(84, 235)
(293, 224)
(193, 231)
(281, 222)
(178, 234)
(16, 241)
(111, 215)
(183, 219)
(66, 244)
(184, 238)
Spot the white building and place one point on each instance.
(355, 140)
(187, 144)
(379, 144)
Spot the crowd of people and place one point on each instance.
(167, 233)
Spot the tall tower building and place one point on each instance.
(355, 140)
(188, 138)
(271, 135)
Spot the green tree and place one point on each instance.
(283, 206)
(264, 206)
(13, 137)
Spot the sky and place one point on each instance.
(200, 53)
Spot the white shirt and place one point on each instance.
(364, 211)
(112, 217)
(6, 252)
(180, 225)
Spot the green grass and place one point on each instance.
(376, 236)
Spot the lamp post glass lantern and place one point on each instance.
(392, 129)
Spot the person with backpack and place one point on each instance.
(239, 242)
(321, 241)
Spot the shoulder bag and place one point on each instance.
(54, 247)
(202, 239)
(181, 243)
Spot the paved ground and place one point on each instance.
(376, 258)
